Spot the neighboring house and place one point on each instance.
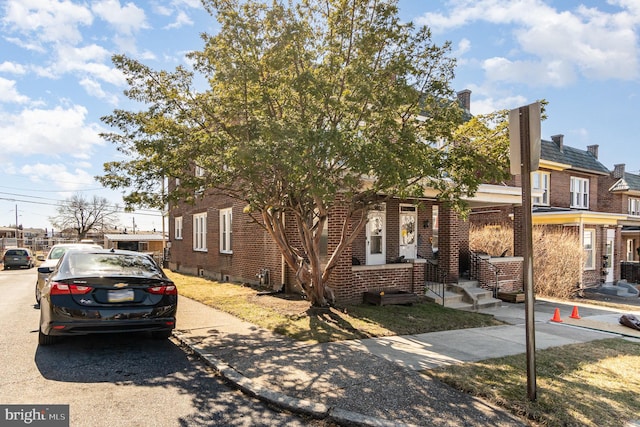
(577, 192)
(152, 243)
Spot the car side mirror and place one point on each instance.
(45, 270)
(40, 257)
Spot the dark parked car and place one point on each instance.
(54, 255)
(107, 291)
(18, 257)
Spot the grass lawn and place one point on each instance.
(289, 316)
(591, 384)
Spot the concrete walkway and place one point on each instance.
(373, 382)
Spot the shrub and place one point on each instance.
(557, 256)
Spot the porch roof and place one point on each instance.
(575, 217)
(489, 195)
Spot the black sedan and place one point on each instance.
(107, 291)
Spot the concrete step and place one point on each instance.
(464, 295)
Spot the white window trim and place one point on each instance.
(579, 192)
(178, 227)
(226, 231)
(633, 207)
(200, 232)
(544, 178)
(590, 254)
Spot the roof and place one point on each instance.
(578, 159)
(628, 182)
(134, 237)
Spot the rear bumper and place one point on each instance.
(85, 328)
(63, 321)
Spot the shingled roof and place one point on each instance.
(628, 182)
(578, 159)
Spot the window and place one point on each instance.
(178, 227)
(634, 207)
(226, 222)
(143, 246)
(588, 242)
(199, 171)
(540, 182)
(579, 193)
(200, 232)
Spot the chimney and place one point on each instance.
(558, 139)
(593, 149)
(618, 171)
(464, 98)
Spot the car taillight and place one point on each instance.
(163, 290)
(64, 289)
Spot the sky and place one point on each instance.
(57, 80)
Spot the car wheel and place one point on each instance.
(161, 335)
(46, 339)
(38, 296)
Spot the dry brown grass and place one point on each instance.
(557, 256)
(288, 315)
(591, 384)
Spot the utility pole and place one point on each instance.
(17, 224)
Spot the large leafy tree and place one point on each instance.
(83, 215)
(306, 105)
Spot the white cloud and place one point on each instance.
(9, 93)
(54, 21)
(89, 60)
(94, 89)
(12, 67)
(58, 132)
(559, 44)
(534, 73)
(125, 19)
(57, 175)
(181, 20)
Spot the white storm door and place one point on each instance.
(376, 237)
(408, 231)
(610, 253)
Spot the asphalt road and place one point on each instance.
(114, 380)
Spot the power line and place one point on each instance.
(144, 212)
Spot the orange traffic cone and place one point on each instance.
(574, 313)
(556, 316)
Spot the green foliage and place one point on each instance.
(307, 104)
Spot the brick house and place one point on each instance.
(215, 238)
(577, 192)
(406, 246)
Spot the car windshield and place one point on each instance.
(16, 252)
(56, 253)
(82, 264)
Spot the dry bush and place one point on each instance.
(557, 262)
(557, 256)
(491, 239)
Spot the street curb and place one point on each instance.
(283, 401)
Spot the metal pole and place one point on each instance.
(525, 155)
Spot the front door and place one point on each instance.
(609, 253)
(408, 237)
(376, 236)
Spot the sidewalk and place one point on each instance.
(372, 382)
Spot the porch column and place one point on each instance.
(449, 243)
(342, 276)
